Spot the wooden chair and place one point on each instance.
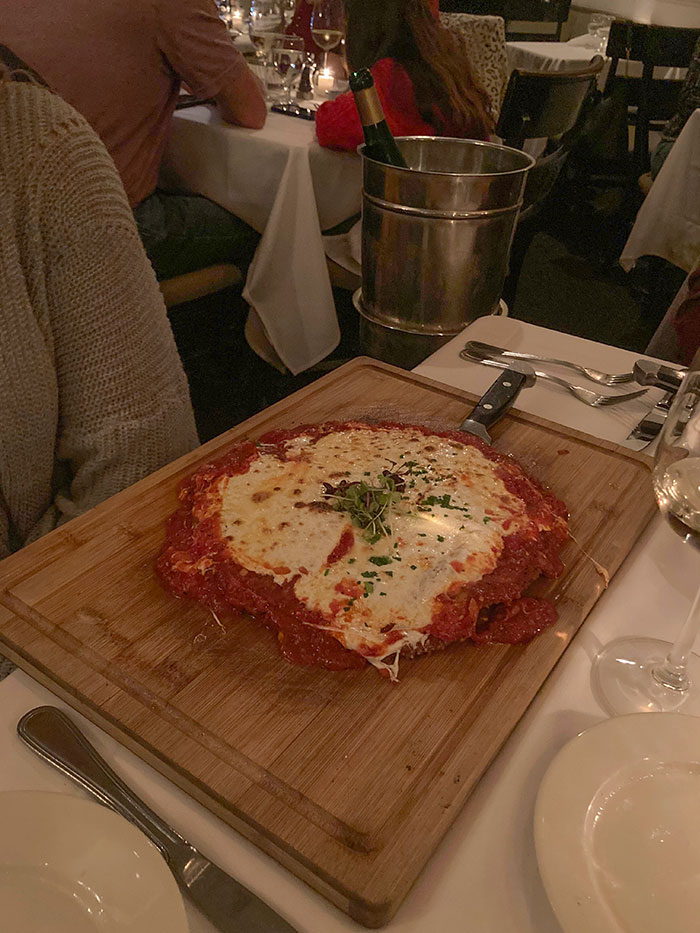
(542, 105)
(555, 12)
(201, 282)
(650, 101)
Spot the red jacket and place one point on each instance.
(338, 123)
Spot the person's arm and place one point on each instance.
(198, 48)
(124, 407)
(241, 100)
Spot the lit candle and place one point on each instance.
(325, 80)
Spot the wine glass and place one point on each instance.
(264, 29)
(599, 29)
(328, 26)
(635, 674)
(287, 10)
(233, 15)
(287, 55)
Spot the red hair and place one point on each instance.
(447, 93)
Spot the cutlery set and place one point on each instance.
(645, 373)
(307, 112)
(229, 906)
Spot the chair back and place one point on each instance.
(655, 101)
(544, 104)
(512, 11)
(483, 39)
(654, 45)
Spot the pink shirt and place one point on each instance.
(119, 63)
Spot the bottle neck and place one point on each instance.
(368, 106)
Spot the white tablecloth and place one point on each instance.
(655, 12)
(287, 187)
(574, 55)
(548, 56)
(483, 877)
(668, 222)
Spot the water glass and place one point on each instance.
(287, 57)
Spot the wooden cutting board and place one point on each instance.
(346, 779)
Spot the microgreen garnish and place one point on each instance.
(368, 506)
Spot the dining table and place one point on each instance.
(683, 13)
(574, 55)
(484, 874)
(288, 188)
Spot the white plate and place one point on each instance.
(71, 866)
(617, 827)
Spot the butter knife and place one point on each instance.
(231, 907)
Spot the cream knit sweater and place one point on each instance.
(92, 393)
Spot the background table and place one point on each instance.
(483, 876)
(654, 12)
(574, 55)
(281, 182)
(668, 222)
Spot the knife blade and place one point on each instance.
(497, 400)
(230, 906)
(648, 429)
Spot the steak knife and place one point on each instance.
(498, 399)
(231, 907)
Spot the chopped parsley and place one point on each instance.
(380, 560)
(440, 538)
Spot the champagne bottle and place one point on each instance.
(380, 144)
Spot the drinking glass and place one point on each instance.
(633, 675)
(233, 15)
(264, 28)
(287, 56)
(328, 26)
(599, 28)
(287, 10)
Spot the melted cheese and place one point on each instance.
(274, 521)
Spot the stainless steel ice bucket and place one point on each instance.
(435, 240)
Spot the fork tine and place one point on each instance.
(616, 399)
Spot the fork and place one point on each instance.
(595, 375)
(584, 395)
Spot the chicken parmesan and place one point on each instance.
(364, 542)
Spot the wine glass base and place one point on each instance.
(622, 679)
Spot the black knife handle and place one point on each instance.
(499, 397)
(52, 735)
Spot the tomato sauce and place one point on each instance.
(196, 564)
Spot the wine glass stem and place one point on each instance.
(325, 59)
(673, 672)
